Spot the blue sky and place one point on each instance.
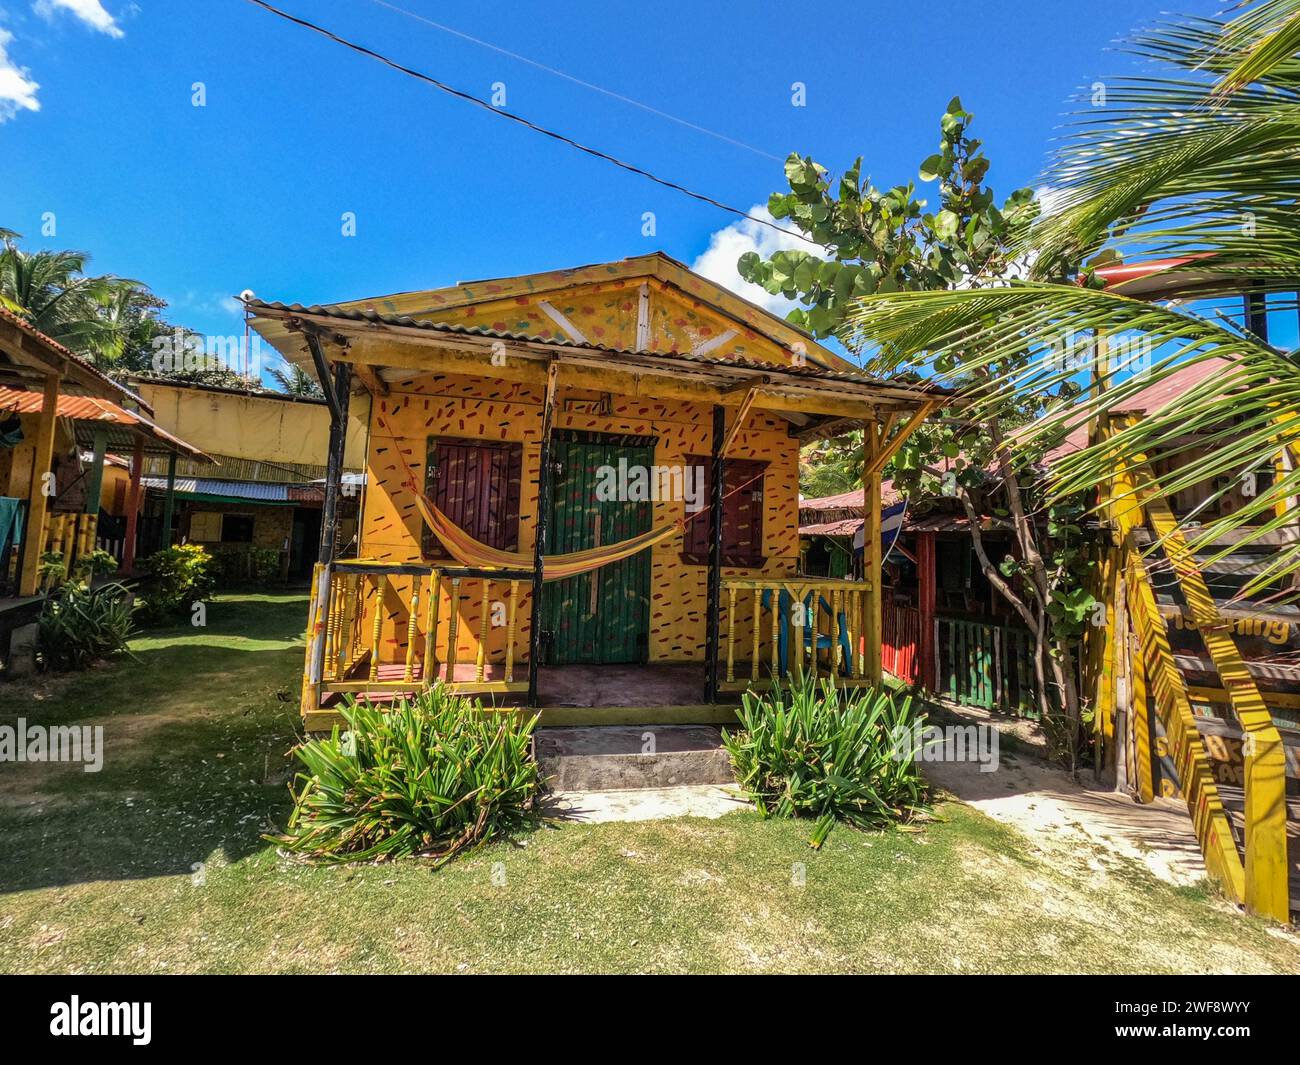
(249, 191)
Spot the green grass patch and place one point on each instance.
(157, 864)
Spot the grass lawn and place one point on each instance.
(157, 863)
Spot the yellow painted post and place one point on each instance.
(776, 631)
(350, 589)
(814, 618)
(758, 618)
(510, 631)
(308, 688)
(1140, 766)
(484, 627)
(37, 500)
(453, 623)
(872, 562)
(377, 626)
(412, 630)
(429, 670)
(731, 633)
(850, 604)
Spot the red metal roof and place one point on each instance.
(1150, 400)
(853, 500)
(27, 327)
(97, 411)
(58, 351)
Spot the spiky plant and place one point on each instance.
(428, 777)
(832, 754)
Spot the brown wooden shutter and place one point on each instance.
(476, 484)
(742, 515)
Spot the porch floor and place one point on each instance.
(658, 684)
(651, 684)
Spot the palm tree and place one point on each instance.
(1201, 165)
(51, 290)
(294, 381)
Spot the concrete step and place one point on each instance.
(622, 757)
(647, 804)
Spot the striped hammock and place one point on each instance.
(470, 552)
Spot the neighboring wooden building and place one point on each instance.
(262, 497)
(58, 418)
(486, 397)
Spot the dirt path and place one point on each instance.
(1056, 814)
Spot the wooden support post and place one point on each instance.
(872, 561)
(37, 500)
(341, 386)
(309, 701)
(453, 630)
(429, 668)
(484, 627)
(95, 475)
(169, 500)
(731, 634)
(377, 629)
(412, 630)
(715, 554)
(776, 632)
(512, 620)
(539, 537)
(926, 597)
(133, 501)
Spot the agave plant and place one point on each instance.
(428, 777)
(832, 754)
(80, 625)
(1197, 166)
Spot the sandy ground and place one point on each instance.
(1044, 803)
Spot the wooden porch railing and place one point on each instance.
(68, 535)
(771, 627)
(388, 629)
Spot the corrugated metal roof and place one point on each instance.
(853, 500)
(31, 330)
(206, 486)
(53, 348)
(922, 388)
(99, 412)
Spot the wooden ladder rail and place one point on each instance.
(1266, 888)
(1161, 673)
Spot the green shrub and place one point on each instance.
(428, 777)
(182, 576)
(827, 753)
(95, 564)
(264, 563)
(79, 625)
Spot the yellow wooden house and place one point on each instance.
(640, 402)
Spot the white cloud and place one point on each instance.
(91, 12)
(726, 246)
(17, 90)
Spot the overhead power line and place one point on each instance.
(575, 80)
(501, 113)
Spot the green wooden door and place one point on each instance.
(602, 616)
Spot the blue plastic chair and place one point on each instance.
(825, 641)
